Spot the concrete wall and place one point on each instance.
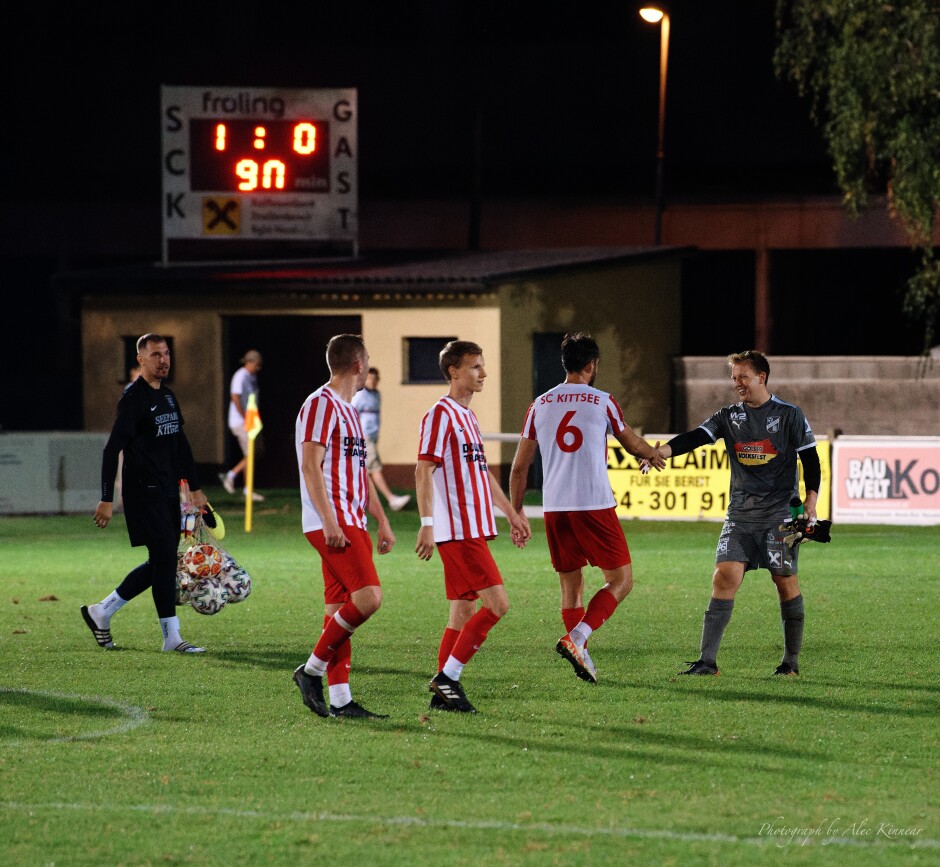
(856, 395)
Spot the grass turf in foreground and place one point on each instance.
(141, 757)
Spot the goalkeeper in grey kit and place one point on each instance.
(763, 436)
(157, 456)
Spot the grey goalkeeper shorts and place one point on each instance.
(758, 547)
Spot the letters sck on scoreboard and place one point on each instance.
(259, 164)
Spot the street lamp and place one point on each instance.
(654, 15)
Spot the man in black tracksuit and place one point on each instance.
(149, 431)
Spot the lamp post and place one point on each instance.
(654, 15)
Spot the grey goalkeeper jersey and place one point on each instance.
(762, 445)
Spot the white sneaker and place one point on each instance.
(227, 482)
(255, 496)
(396, 504)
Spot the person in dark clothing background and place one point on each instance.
(157, 456)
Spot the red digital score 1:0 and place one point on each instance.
(259, 156)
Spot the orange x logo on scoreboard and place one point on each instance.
(221, 216)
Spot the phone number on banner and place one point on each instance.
(694, 485)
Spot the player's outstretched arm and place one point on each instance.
(640, 448)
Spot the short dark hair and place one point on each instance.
(144, 339)
(753, 357)
(343, 351)
(453, 352)
(578, 350)
(374, 371)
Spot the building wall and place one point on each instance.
(196, 364)
(197, 360)
(632, 311)
(404, 405)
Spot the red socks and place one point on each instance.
(337, 671)
(448, 640)
(337, 630)
(572, 617)
(600, 608)
(473, 635)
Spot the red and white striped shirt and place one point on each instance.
(463, 502)
(325, 418)
(570, 422)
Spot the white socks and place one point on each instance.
(580, 634)
(104, 610)
(453, 668)
(315, 666)
(340, 694)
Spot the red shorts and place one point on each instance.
(468, 567)
(347, 569)
(578, 538)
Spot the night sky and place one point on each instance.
(567, 94)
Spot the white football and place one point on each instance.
(184, 585)
(208, 596)
(237, 582)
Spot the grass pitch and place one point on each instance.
(143, 757)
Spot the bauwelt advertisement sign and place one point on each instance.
(886, 480)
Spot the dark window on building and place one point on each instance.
(421, 359)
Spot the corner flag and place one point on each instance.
(252, 428)
(252, 418)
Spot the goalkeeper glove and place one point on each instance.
(802, 530)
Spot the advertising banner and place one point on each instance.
(693, 486)
(886, 480)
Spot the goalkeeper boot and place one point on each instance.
(701, 667)
(311, 688)
(575, 655)
(787, 670)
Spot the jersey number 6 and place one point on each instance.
(564, 430)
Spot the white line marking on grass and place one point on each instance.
(136, 716)
(466, 825)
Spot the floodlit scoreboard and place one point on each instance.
(258, 169)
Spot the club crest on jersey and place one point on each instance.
(773, 424)
(170, 401)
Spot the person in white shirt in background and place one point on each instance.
(244, 384)
(368, 402)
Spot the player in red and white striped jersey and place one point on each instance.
(456, 492)
(569, 425)
(336, 492)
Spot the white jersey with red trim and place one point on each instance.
(571, 422)
(325, 418)
(463, 502)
